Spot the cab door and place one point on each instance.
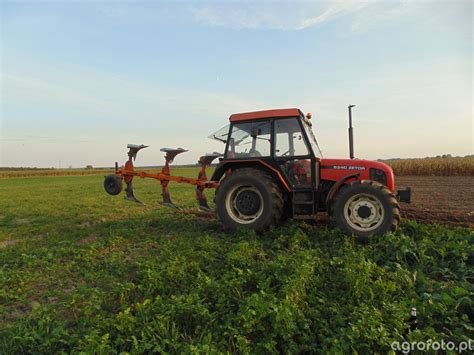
(292, 153)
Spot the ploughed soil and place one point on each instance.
(445, 200)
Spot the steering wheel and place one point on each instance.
(285, 154)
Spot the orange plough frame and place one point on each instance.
(128, 172)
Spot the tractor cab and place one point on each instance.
(281, 143)
(283, 139)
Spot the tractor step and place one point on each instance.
(303, 203)
(305, 216)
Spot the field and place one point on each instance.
(84, 271)
(447, 200)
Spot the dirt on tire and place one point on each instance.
(447, 200)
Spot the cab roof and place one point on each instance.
(282, 112)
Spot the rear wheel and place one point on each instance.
(365, 208)
(249, 198)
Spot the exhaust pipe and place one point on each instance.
(351, 133)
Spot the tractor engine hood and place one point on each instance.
(336, 169)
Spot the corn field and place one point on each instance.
(456, 166)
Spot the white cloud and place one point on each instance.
(275, 15)
(264, 15)
(383, 12)
(334, 10)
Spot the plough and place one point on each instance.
(126, 173)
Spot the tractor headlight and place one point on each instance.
(378, 175)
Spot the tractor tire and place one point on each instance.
(365, 208)
(113, 184)
(249, 198)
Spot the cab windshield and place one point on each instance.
(221, 134)
(253, 138)
(311, 137)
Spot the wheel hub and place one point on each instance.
(364, 212)
(247, 202)
(244, 204)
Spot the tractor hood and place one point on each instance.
(336, 169)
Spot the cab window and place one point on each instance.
(289, 139)
(250, 140)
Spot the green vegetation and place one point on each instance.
(84, 271)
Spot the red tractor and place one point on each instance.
(271, 170)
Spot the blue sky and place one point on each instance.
(80, 80)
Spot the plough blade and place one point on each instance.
(204, 161)
(171, 153)
(203, 206)
(169, 157)
(208, 158)
(133, 149)
(168, 203)
(130, 194)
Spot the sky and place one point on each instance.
(81, 80)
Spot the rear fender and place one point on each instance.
(222, 168)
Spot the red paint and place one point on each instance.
(285, 112)
(265, 164)
(333, 174)
(128, 168)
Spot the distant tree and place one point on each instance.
(89, 167)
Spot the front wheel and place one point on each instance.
(249, 198)
(365, 208)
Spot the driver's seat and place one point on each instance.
(254, 153)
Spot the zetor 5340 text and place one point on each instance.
(272, 169)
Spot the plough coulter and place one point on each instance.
(272, 169)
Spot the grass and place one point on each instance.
(81, 271)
